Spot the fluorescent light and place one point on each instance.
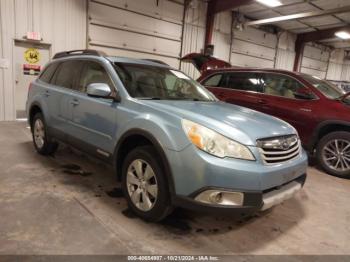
(343, 35)
(271, 3)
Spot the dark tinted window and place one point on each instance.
(93, 72)
(215, 80)
(243, 81)
(67, 73)
(48, 72)
(280, 85)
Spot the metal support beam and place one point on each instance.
(304, 38)
(224, 5)
(299, 52)
(321, 34)
(277, 19)
(216, 6)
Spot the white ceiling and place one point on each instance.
(258, 11)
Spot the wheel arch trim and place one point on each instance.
(159, 148)
(320, 126)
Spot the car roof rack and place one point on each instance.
(79, 52)
(155, 61)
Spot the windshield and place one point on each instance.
(151, 82)
(326, 88)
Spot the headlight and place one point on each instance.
(214, 143)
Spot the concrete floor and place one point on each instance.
(69, 204)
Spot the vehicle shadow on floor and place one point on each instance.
(76, 172)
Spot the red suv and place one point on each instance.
(319, 110)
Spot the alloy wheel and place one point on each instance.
(336, 154)
(142, 185)
(39, 133)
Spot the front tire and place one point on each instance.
(41, 140)
(333, 153)
(144, 184)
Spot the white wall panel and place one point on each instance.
(285, 59)
(194, 31)
(334, 71)
(345, 73)
(256, 36)
(315, 61)
(7, 105)
(249, 61)
(253, 48)
(62, 25)
(222, 35)
(137, 28)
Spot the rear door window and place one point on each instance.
(244, 81)
(280, 85)
(67, 73)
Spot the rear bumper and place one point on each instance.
(254, 201)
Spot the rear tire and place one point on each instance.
(333, 153)
(42, 142)
(144, 184)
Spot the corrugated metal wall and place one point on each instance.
(194, 31)
(315, 60)
(285, 51)
(194, 34)
(140, 29)
(7, 105)
(62, 24)
(335, 66)
(345, 75)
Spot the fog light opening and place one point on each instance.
(216, 197)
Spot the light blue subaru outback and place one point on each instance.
(172, 143)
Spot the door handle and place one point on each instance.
(74, 102)
(262, 101)
(47, 93)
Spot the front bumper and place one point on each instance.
(254, 201)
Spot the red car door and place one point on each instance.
(286, 98)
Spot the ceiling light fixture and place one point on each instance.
(270, 3)
(343, 35)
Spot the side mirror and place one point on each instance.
(304, 93)
(101, 90)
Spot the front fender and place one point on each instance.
(169, 134)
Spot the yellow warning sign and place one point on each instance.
(32, 55)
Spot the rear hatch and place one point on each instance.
(204, 62)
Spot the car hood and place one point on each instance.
(238, 123)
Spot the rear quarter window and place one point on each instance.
(214, 80)
(48, 72)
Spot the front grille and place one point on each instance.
(275, 150)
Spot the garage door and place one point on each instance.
(139, 29)
(253, 48)
(315, 61)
